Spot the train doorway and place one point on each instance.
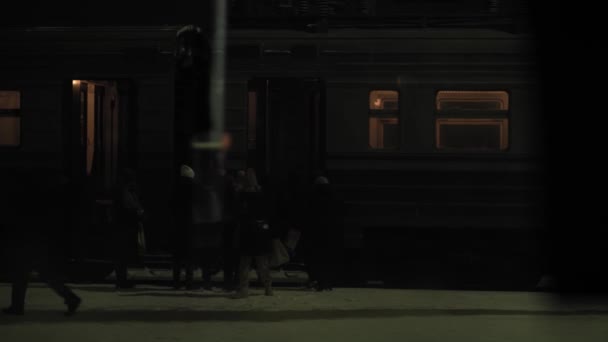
(101, 139)
(99, 143)
(286, 128)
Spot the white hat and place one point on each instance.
(186, 171)
(321, 180)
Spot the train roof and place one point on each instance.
(338, 33)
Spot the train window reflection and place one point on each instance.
(472, 134)
(472, 120)
(384, 133)
(384, 100)
(384, 119)
(449, 100)
(10, 119)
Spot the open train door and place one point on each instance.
(289, 118)
(99, 141)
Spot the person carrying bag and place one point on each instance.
(279, 255)
(141, 239)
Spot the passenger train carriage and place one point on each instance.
(432, 137)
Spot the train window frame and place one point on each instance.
(473, 117)
(384, 116)
(14, 113)
(505, 102)
(502, 123)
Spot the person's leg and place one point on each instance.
(313, 273)
(19, 280)
(121, 262)
(236, 259)
(330, 268)
(229, 269)
(190, 277)
(244, 267)
(121, 274)
(177, 270)
(233, 260)
(207, 265)
(324, 268)
(229, 256)
(263, 270)
(19, 271)
(310, 262)
(191, 264)
(53, 280)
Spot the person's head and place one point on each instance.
(186, 171)
(322, 186)
(321, 180)
(192, 46)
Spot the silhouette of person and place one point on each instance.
(129, 216)
(183, 254)
(33, 237)
(255, 235)
(230, 234)
(323, 233)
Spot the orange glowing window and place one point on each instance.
(454, 101)
(384, 133)
(10, 118)
(384, 100)
(384, 129)
(472, 120)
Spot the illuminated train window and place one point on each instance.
(475, 121)
(10, 119)
(384, 119)
(472, 101)
(384, 100)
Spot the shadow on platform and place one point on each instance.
(186, 316)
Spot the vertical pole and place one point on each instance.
(218, 65)
(200, 118)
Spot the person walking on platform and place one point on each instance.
(130, 214)
(33, 237)
(255, 231)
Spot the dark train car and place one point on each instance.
(432, 137)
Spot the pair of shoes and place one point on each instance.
(72, 304)
(268, 292)
(13, 311)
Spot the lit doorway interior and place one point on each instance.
(101, 139)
